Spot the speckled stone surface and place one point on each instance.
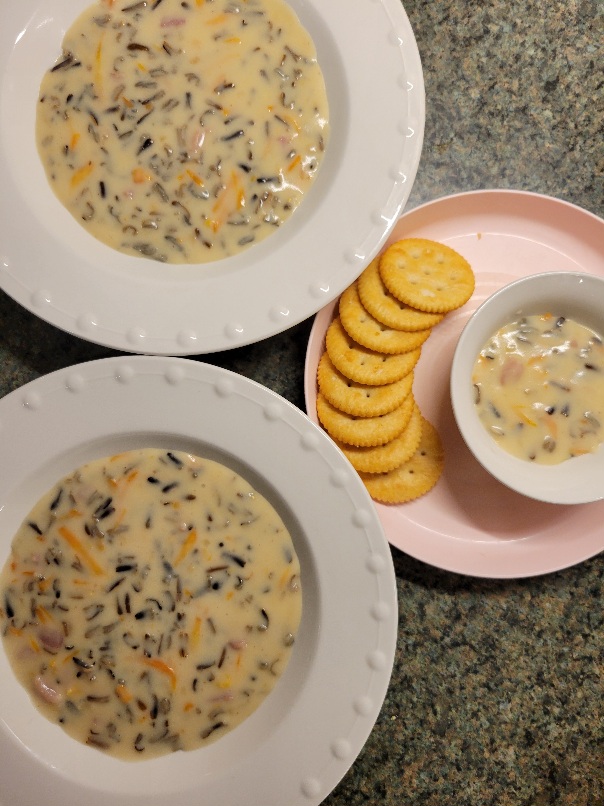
(496, 696)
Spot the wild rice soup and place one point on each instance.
(150, 602)
(183, 131)
(539, 388)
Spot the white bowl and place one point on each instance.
(574, 295)
(299, 743)
(57, 270)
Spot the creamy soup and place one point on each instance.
(183, 131)
(539, 388)
(150, 602)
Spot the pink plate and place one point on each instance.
(470, 523)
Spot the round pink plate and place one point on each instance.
(470, 523)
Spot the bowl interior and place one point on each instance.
(574, 295)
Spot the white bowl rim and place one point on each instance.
(577, 481)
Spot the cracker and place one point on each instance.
(363, 365)
(360, 399)
(363, 431)
(413, 478)
(427, 275)
(386, 308)
(367, 331)
(394, 453)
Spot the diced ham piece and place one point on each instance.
(46, 692)
(172, 22)
(511, 370)
(226, 697)
(51, 638)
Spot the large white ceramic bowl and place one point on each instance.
(302, 739)
(574, 295)
(58, 271)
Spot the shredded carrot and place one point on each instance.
(15, 631)
(81, 174)
(186, 547)
(43, 615)
(73, 513)
(98, 63)
(71, 655)
(80, 549)
(292, 122)
(196, 632)
(231, 198)
(197, 179)
(188, 706)
(34, 644)
(296, 161)
(124, 482)
(217, 20)
(233, 40)
(523, 416)
(123, 693)
(162, 666)
(75, 138)
(199, 3)
(139, 175)
(534, 361)
(121, 488)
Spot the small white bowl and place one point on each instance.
(574, 295)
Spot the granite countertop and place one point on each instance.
(496, 695)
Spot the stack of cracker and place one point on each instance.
(365, 397)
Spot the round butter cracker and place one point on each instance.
(360, 399)
(363, 431)
(427, 275)
(382, 458)
(413, 478)
(367, 331)
(386, 308)
(363, 365)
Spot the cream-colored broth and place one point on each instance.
(539, 388)
(184, 132)
(150, 602)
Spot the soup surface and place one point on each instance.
(150, 602)
(539, 388)
(183, 131)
